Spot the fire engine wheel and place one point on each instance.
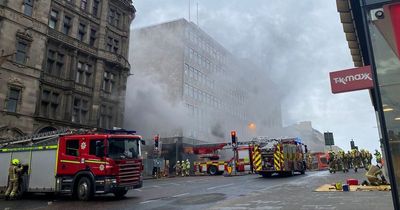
(84, 189)
(213, 170)
(120, 193)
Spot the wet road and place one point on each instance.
(209, 192)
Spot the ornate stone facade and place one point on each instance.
(63, 63)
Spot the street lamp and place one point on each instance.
(252, 128)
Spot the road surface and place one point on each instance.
(219, 192)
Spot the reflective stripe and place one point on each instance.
(256, 156)
(278, 158)
(70, 161)
(21, 149)
(95, 161)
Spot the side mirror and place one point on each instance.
(305, 148)
(99, 149)
(143, 141)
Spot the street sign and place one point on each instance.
(329, 139)
(351, 79)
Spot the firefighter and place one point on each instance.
(343, 160)
(332, 162)
(14, 173)
(309, 161)
(349, 160)
(364, 159)
(178, 168)
(183, 170)
(369, 158)
(356, 159)
(378, 157)
(375, 175)
(187, 172)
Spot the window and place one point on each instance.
(116, 46)
(67, 25)
(81, 32)
(84, 73)
(111, 16)
(13, 99)
(28, 6)
(106, 116)
(95, 8)
(22, 48)
(112, 44)
(83, 4)
(92, 40)
(109, 43)
(53, 19)
(49, 104)
(72, 147)
(80, 110)
(114, 17)
(55, 62)
(108, 82)
(92, 145)
(117, 19)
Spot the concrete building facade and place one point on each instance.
(63, 64)
(214, 86)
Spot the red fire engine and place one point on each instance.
(209, 160)
(78, 163)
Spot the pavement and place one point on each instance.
(219, 192)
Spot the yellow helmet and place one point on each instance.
(15, 161)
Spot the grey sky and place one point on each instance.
(297, 43)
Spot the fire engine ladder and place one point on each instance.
(36, 138)
(257, 140)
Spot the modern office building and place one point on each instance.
(63, 64)
(219, 91)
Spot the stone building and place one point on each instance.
(216, 88)
(63, 64)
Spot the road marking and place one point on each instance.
(226, 185)
(156, 186)
(176, 184)
(143, 202)
(179, 195)
(138, 190)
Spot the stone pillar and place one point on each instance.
(96, 100)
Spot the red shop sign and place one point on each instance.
(351, 79)
(395, 18)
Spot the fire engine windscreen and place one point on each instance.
(123, 148)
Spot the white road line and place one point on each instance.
(176, 184)
(220, 186)
(179, 195)
(143, 202)
(156, 186)
(138, 190)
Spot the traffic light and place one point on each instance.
(156, 140)
(234, 138)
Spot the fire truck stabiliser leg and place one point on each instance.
(278, 158)
(256, 157)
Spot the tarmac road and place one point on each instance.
(219, 192)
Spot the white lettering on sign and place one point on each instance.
(345, 80)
